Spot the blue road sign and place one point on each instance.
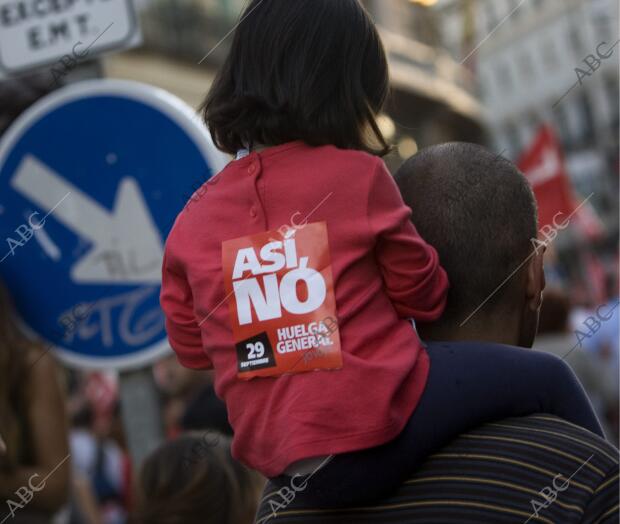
(91, 178)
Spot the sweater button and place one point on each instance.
(252, 169)
(253, 212)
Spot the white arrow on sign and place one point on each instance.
(127, 245)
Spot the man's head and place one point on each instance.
(478, 211)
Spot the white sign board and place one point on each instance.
(35, 33)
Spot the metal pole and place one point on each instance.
(141, 413)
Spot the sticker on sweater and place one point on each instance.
(282, 303)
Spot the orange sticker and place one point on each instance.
(282, 303)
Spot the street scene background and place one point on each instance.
(535, 81)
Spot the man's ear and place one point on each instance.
(535, 283)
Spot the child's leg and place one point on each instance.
(478, 383)
(469, 384)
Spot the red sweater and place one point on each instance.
(383, 274)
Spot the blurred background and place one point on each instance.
(534, 80)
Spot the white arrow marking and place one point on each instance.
(127, 245)
(47, 244)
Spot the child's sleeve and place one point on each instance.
(413, 278)
(178, 305)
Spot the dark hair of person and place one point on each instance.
(195, 480)
(19, 93)
(14, 399)
(310, 70)
(478, 211)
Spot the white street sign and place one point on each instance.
(35, 33)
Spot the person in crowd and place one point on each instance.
(34, 426)
(193, 480)
(597, 329)
(297, 107)
(556, 337)
(601, 340)
(478, 211)
(19, 93)
(84, 508)
(206, 410)
(189, 400)
(99, 462)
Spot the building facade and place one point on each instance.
(433, 98)
(546, 62)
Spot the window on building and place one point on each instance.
(504, 78)
(491, 15)
(575, 40)
(512, 138)
(533, 120)
(602, 20)
(526, 68)
(611, 87)
(586, 118)
(560, 119)
(484, 87)
(515, 8)
(549, 54)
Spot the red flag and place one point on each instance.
(544, 167)
(589, 223)
(101, 390)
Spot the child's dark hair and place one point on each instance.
(311, 70)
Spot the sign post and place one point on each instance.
(141, 413)
(91, 178)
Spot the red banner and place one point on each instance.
(543, 165)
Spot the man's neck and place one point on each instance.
(481, 329)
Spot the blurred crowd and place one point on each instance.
(586, 335)
(190, 476)
(85, 466)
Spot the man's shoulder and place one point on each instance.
(538, 468)
(535, 466)
(547, 438)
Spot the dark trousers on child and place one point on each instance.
(469, 384)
